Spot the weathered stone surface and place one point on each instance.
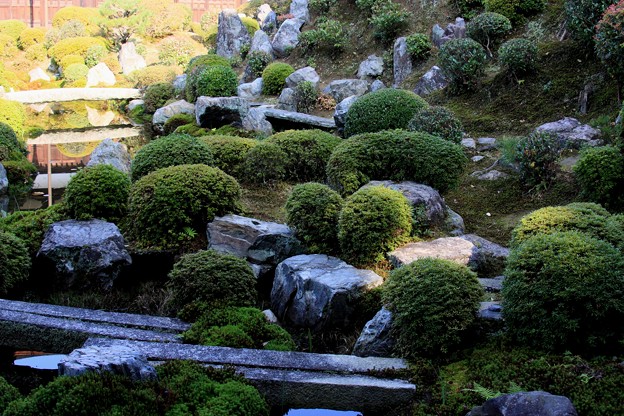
(4, 181)
(292, 120)
(477, 158)
(129, 58)
(134, 104)
(214, 112)
(231, 35)
(319, 292)
(490, 310)
(38, 74)
(486, 143)
(260, 242)
(165, 113)
(179, 83)
(343, 88)
(110, 153)
(402, 60)
(535, 403)
(256, 121)
(469, 143)
(490, 175)
(85, 254)
(377, 85)
(455, 30)
(437, 33)
(267, 18)
(303, 74)
(287, 37)
(99, 118)
(116, 359)
(454, 223)
(340, 114)
(433, 80)
(261, 43)
(375, 339)
(371, 68)
(299, 9)
(287, 100)
(492, 284)
(572, 133)
(488, 258)
(100, 75)
(250, 90)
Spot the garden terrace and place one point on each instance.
(72, 94)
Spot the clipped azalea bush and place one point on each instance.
(229, 152)
(518, 56)
(174, 204)
(313, 209)
(196, 67)
(396, 155)
(385, 109)
(488, 29)
(274, 77)
(515, 10)
(31, 36)
(14, 261)
(264, 163)
(73, 46)
(418, 46)
(565, 292)
(434, 305)
(99, 191)
(175, 149)
(373, 221)
(438, 121)
(212, 280)
(153, 74)
(12, 28)
(13, 114)
(216, 81)
(600, 173)
(30, 226)
(307, 152)
(463, 62)
(157, 95)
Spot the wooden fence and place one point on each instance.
(33, 12)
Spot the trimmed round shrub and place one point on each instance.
(73, 46)
(86, 15)
(395, 155)
(70, 60)
(172, 204)
(488, 28)
(178, 18)
(8, 46)
(21, 174)
(178, 120)
(313, 209)
(565, 291)
(265, 163)
(213, 279)
(418, 46)
(463, 61)
(385, 109)
(94, 55)
(217, 81)
(205, 61)
(172, 150)
(229, 152)
(251, 25)
(36, 53)
(196, 67)
(585, 217)
(438, 121)
(274, 77)
(373, 221)
(600, 173)
(307, 152)
(12, 28)
(13, 114)
(515, 10)
(8, 393)
(10, 147)
(14, 261)
(518, 56)
(31, 36)
(143, 78)
(74, 72)
(99, 191)
(157, 95)
(177, 50)
(434, 305)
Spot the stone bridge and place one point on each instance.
(55, 95)
(371, 385)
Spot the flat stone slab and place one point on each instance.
(87, 135)
(301, 120)
(72, 94)
(490, 310)
(494, 284)
(451, 248)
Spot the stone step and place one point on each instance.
(291, 120)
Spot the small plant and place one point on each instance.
(329, 36)
(157, 95)
(488, 28)
(178, 120)
(257, 61)
(609, 39)
(30, 226)
(418, 46)
(439, 121)
(518, 56)
(388, 19)
(176, 51)
(463, 61)
(274, 77)
(306, 95)
(537, 157)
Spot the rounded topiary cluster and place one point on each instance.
(582, 16)
(31, 36)
(265, 163)
(518, 56)
(463, 61)
(172, 150)
(14, 261)
(216, 81)
(75, 72)
(157, 95)
(195, 67)
(211, 279)
(13, 114)
(153, 74)
(488, 28)
(373, 221)
(73, 46)
(600, 173)
(434, 304)
(229, 152)
(12, 28)
(307, 152)
(438, 121)
(584, 217)
(395, 155)
(418, 46)
(313, 209)
(99, 191)
(385, 109)
(173, 204)
(565, 291)
(274, 77)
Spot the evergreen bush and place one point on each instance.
(143, 78)
(265, 163)
(488, 28)
(31, 36)
(438, 121)
(274, 77)
(13, 114)
(86, 15)
(21, 174)
(217, 81)
(172, 150)
(395, 155)
(515, 10)
(8, 393)
(195, 67)
(313, 209)
(582, 16)
(388, 19)
(10, 147)
(518, 56)
(600, 173)
(537, 156)
(229, 152)
(30, 226)
(329, 36)
(610, 38)
(418, 46)
(178, 120)
(75, 72)
(373, 221)
(14, 261)
(306, 95)
(73, 46)
(385, 109)
(70, 60)
(434, 304)
(257, 61)
(463, 61)
(565, 292)
(157, 95)
(176, 50)
(94, 55)
(12, 28)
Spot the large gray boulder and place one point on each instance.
(231, 35)
(433, 80)
(299, 9)
(256, 121)
(340, 113)
(110, 153)
(129, 58)
(488, 258)
(572, 133)
(115, 359)
(303, 74)
(343, 88)
(165, 113)
(287, 37)
(531, 403)
(261, 43)
(85, 254)
(402, 61)
(267, 18)
(319, 292)
(214, 112)
(4, 181)
(179, 83)
(250, 90)
(371, 68)
(375, 339)
(287, 100)
(455, 30)
(100, 75)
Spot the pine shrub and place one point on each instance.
(488, 28)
